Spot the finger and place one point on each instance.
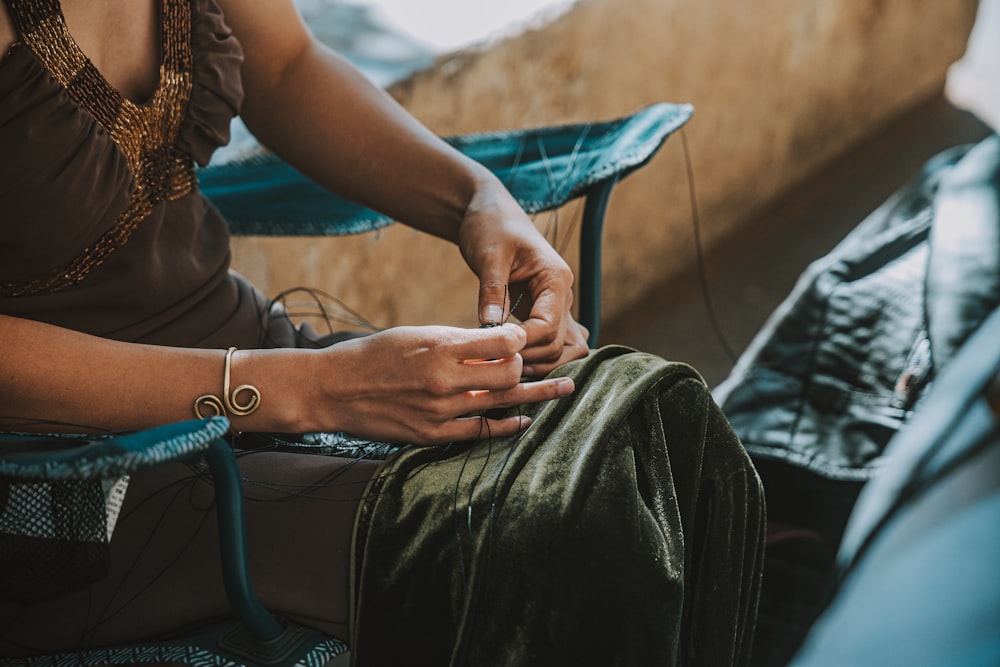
(542, 369)
(467, 429)
(545, 323)
(576, 347)
(491, 374)
(547, 346)
(582, 333)
(495, 343)
(494, 428)
(493, 299)
(523, 394)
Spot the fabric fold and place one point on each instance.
(216, 95)
(624, 527)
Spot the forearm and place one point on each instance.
(52, 378)
(407, 385)
(353, 138)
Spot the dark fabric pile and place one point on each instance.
(847, 359)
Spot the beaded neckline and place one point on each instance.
(145, 133)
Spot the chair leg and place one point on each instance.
(591, 232)
(233, 545)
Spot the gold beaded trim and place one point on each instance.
(145, 133)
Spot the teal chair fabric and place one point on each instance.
(54, 533)
(542, 167)
(53, 516)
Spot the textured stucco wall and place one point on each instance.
(780, 88)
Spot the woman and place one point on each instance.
(119, 312)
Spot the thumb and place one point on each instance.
(493, 301)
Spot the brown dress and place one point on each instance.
(103, 230)
(102, 227)
(623, 528)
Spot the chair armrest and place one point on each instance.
(71, 457)
(57, 459)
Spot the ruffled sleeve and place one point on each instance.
(217, 87)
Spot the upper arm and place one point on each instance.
(273, 36)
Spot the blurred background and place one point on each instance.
(807, 116)
(445, 25)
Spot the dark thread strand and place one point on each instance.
(700, 255)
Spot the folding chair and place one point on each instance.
(544, 168)
(53, 535)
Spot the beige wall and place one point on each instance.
(780, 88)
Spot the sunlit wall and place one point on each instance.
(780, 87)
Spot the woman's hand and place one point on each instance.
(419, 385)
(427, 385)
(321, 115)
(518, 270)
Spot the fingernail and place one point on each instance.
(525, 422)
(565, 387)
(492, 314)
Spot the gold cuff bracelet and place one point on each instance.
(229, 404)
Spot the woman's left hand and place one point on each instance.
(518, 270)
(316, 111)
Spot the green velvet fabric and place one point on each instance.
(624, 527)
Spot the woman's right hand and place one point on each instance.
(428, 385)
(420, 385)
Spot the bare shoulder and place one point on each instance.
(7, 34)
